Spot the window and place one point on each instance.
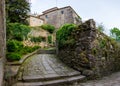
(46, 16)
(62, 12)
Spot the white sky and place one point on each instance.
(102, 11)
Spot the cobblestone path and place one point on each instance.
(40, 68)
(112, 80)
(43, 69)
(45, 65)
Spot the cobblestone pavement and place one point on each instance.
(112, 80)
(44, 66)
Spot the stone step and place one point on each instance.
(49, 77)
(54, 82)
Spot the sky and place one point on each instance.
(106, 12)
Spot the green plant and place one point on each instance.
(49, 28)
(13, 56)
(36, 39)
(14, 46)
(102, 43)
(49, 39)
(63, 35)
(17, 31)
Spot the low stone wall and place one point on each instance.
(46, 52)
(94, 53)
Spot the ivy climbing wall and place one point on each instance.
(92, 53)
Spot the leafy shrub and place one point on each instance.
(13, 56)
(14, 45)
(16, 55)
(49, 39)
(63, 35)
(48, 27)
(36, 39)
(15, 34)
(17, 31)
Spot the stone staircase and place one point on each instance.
(51, 80)
(46, 70)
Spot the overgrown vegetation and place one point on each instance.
(50, 39)
(48, 27)
(63, 35)
(15, 50)
(17, 31)
(37, 39)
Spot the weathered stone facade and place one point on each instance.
(2, 39)
(93, 53)
(35, 21)
(59, 16)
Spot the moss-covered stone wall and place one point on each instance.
(93, 53)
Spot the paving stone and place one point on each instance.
(45, 67)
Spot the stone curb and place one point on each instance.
(23, 58)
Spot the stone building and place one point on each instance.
(59, 16)
(35, 21)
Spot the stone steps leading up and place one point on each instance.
(54, 82)
(46, 70)
(49, 77)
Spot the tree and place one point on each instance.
(115, 33)
(17, 11)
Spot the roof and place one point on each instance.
(54, 9)
(36, 17)
(49, 10)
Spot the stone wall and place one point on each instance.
(2, 39)
(34, 21)
(94, 53)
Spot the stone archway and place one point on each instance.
(2, 39)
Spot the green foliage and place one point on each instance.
(17, 10)
(14, 46)
(102, 43)
(49, 39)
(36, 39)
(115, 33)
(48, 27)
(13, 56)
(15, 50)
(17, 54)
(63, 35)
(17, 31)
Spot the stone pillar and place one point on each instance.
(2, 39)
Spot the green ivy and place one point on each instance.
(36, 39)
(17, 31)
(63, 35)
(49, 28)
(49, 39)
